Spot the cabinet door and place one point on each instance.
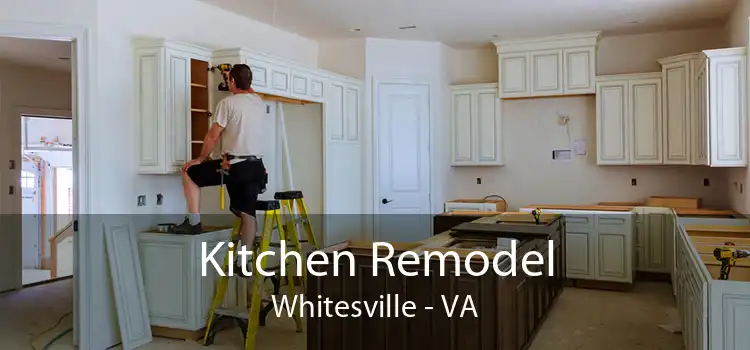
(677, 139)
(178, 108)
(579, 70)
(149, 73)
(646, 121)
(578, 249)
(700, 114)
(352, 112)
(300, 84)
(546, 73)
(727, 119)
(488, 142)
(514, 75)
(209, 282)
(613, 252)
(656, 243)
(170, 289)
(462, 128)
(612, 123)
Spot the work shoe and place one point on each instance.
(186, 229)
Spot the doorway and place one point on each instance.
(47, 198)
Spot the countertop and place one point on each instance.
(580, 207)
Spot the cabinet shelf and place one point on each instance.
(204, 86)
(199, 110)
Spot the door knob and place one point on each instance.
(386, 201)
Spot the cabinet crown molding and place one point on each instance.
(154, 43)
(615, 77)
(459, 87)
(548, 42)
(732, 51)
(679, 58)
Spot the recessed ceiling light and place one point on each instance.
(355, 30)
(494, 36)
(64, 58)
(407, 27)
(634, 22)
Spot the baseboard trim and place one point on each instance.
(602, 285)
(653, 276)
(52, 280)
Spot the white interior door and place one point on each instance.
(402, 117)
(31, 209)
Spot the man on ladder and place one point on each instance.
(239, 127)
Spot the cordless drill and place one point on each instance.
(537, 214)
(224, 68)
(728, 257)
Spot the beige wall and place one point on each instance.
(304, 129)
(531, 133)
(737, 33)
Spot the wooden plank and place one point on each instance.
(579, 207)
(267, 97)
(674, 202)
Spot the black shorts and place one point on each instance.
(245, 181)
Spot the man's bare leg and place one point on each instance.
(192, 196)
(249, 230)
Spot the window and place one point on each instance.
(28, 180)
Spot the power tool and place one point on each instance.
(224, 68)
(537, 214)
(728, 257)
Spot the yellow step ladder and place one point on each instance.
(287, 230)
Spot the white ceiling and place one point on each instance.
(36, 53)
(465, 23)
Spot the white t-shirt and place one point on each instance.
(241, 116)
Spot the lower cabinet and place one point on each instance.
(599, 245)
(509, 309)
(178, 292)
(654, 242)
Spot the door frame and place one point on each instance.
(375, 161)
(83, 66)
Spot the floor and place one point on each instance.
(33, 276)
(581, 319)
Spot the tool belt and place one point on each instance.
(231, 157)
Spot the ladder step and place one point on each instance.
(233, 313)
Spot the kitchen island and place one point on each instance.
(499, 312)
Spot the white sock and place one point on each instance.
(194, 219)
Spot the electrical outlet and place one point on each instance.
(159, 198)
(142, 200)
(479, 181)
(633, 182)
(11, 164)
(706, 183)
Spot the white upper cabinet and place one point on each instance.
(274, 76)
(547, 66)
(677, 75)
(164, 92)
(629, 119)
(705, 108)
(727, 107)
(476, 130)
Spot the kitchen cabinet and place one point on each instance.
(166, 90)
(629, 119)
(599, 244)
(178, 293)
(705, 108)
(476, 126)
(654, 243)
(547, 66)
(713, 312)
(480, 205)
